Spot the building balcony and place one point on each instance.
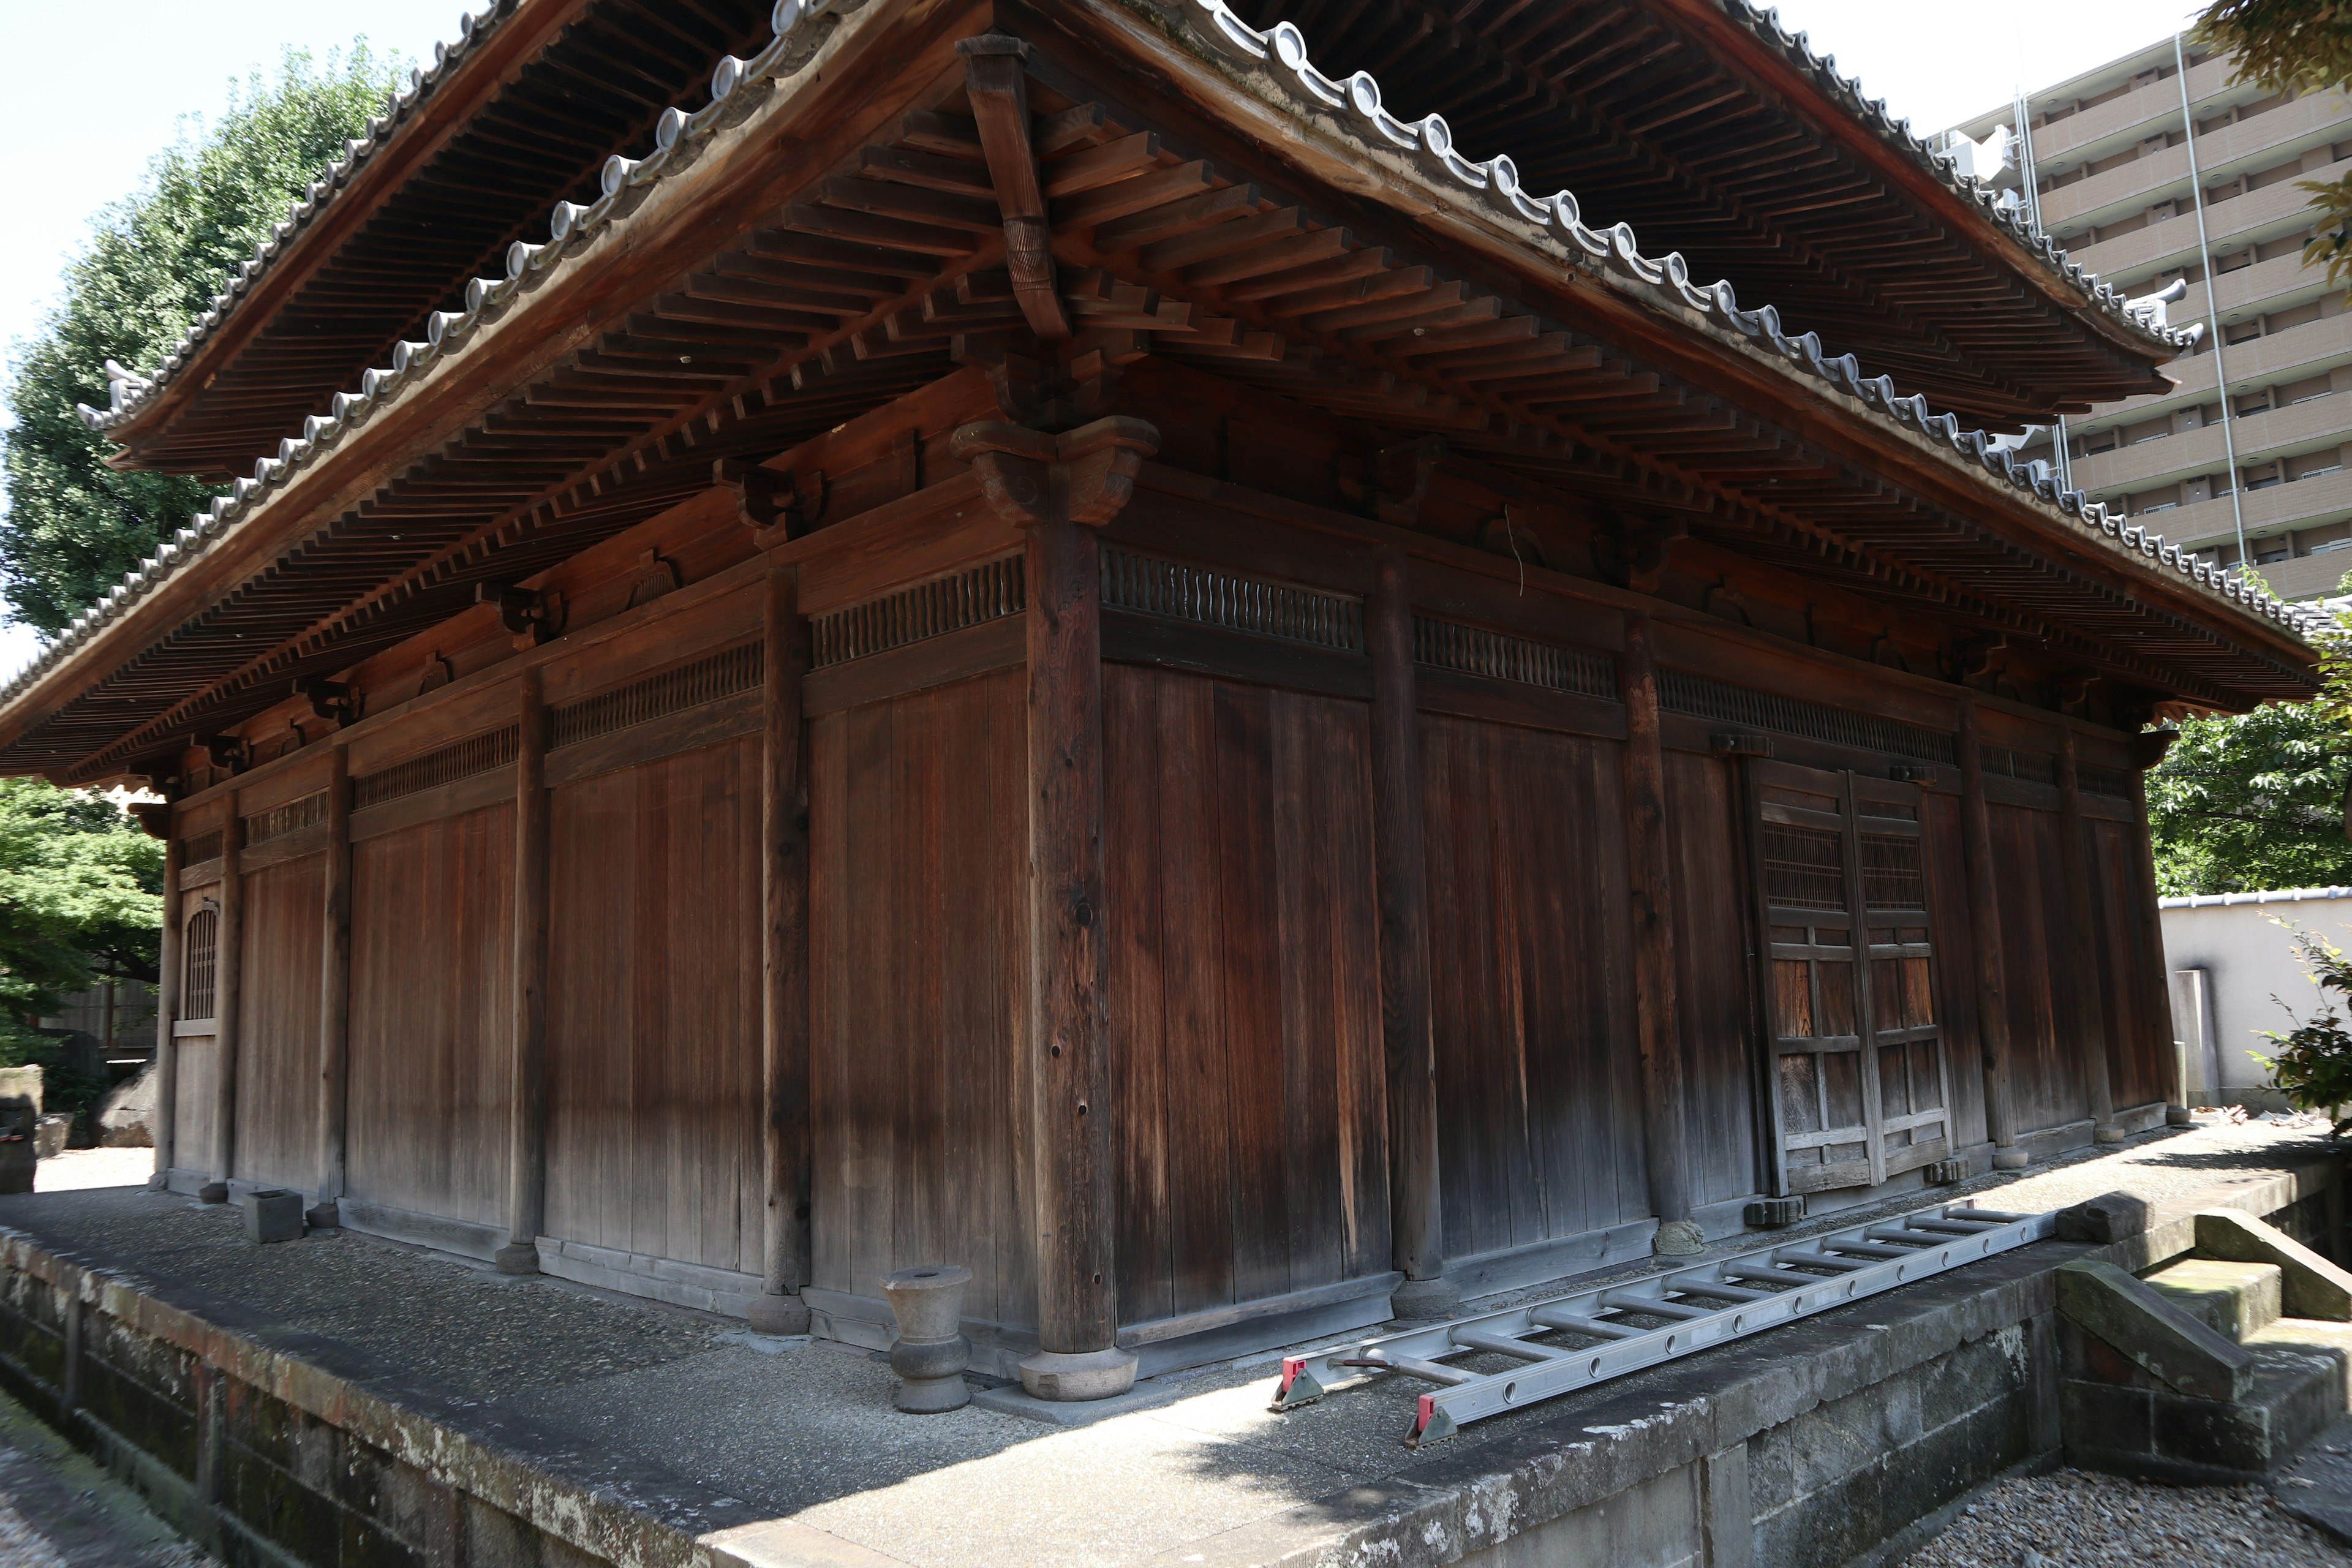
(2270, 213)
(2299, 351)
(2274, 285)
(2103, 130)
(2306, 503)
(2316, 576)
(2248, 146)
(2305, 426)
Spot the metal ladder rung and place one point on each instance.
(1857, 1262)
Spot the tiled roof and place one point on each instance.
(1278, 57)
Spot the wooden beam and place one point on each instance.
(527, 1126)
(1984, 939)
(168, 961)
(1650, 883)
(227, 976)
(335, 993)
(1057, 490)
(2091, 1023)
(997, 88)
(1416, 1219)
(784, 946)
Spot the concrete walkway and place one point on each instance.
(706, 1427)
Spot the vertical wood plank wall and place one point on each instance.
(432, 945)
(1712, 941)
(197, 1077)
(2048, 1079)
(918, 884)
(1539, 1115)
(1956, 991)
(652, 1144)
(2141, 1072)
(278, 1057)
(1244, 985)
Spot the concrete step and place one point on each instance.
(2234, 1300)
(2301, 1384)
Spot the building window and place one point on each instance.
(200, 984)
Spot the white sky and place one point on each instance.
(89, 91)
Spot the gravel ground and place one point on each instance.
(2076, 1519)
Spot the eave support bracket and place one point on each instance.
(999, 90)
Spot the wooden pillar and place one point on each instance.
(1657, 1022)
(1416, 1220)
(526, 1124)
(228, 983)
(785, 937)
(1984, 931)
(168, 964)
(334, 994)
(2089, 1009)
(2148, 927)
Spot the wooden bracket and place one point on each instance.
(1723, 599)
(2147, 747)
(1912, 772)
(764, 497)
(154, 817)
(1634, 554)
(226, 752)
(1976, 655)
(1083, 475)
(1402, 475)
(657, 575)
(2073, 692)
(531, 616)
(1740, 744)
(997, 88)
(329, 700)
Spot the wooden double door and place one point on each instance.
(1858, 1088)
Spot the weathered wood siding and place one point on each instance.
(1955, 963)
(1244, 982)
(2139, 1059)
(277, 1026)
(918, 884)
(653, 1142)
(432, 951)
(2047, 1058)
(1540, 1121)
(1716, 972)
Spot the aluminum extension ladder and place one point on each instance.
(1694, 1308)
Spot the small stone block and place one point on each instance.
(516, 1257)
(1078, 1374)
(1944, 1173)
(2103, 1221)
(273, 1214)
(2108, 1134)
(2310, 1285)
(780, 1315)
(2010, 1159)
(1678, 1238)
(213, 1193)
(2234, 1300)
(2179, 1116)
(2156, 1336)
(1424, 1300)
(1773, 1214)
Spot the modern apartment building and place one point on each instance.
(2255, 442)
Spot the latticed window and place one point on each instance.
(201, 982)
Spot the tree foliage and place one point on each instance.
(2313, 1065)
(73, 526)
(2304, 45)
(2252, 801)
(80, 898)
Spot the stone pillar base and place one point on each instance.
(2179, 1116)
(213, 1193)
(1075, 1375)
(777, 1315)
(2108, 1134)
(1424, 1300)
(2010, 1159)
(324, 1215)
(516, 1257)
(1678, 1238)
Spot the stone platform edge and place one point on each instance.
(468, 1497)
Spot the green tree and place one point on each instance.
(2304, 45)
(2251, 800)
(80, 898)
(155, 260)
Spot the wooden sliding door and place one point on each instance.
(1857, 1084)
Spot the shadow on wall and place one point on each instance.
(2234, 975)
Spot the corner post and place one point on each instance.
(1057, 490)
(2148, 752)
(228, 983)
(1984, 934)
(1416, 1218)
(1657, 1022)
(527, 1129)
(168, 962)
(2090, 1031)
(334, 994)
(785, 891)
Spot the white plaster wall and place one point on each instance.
(2242, 942)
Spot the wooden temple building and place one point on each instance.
(1098, 640)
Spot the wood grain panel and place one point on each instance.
(432, 949)
(1956, 994)
(277, 1046)
(195, 1094)
(1539, 1119)
(1712, 939)
(917, 892)
(2123, 904)
(1245, 991)
(2046, 1057)
(654, 1009)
